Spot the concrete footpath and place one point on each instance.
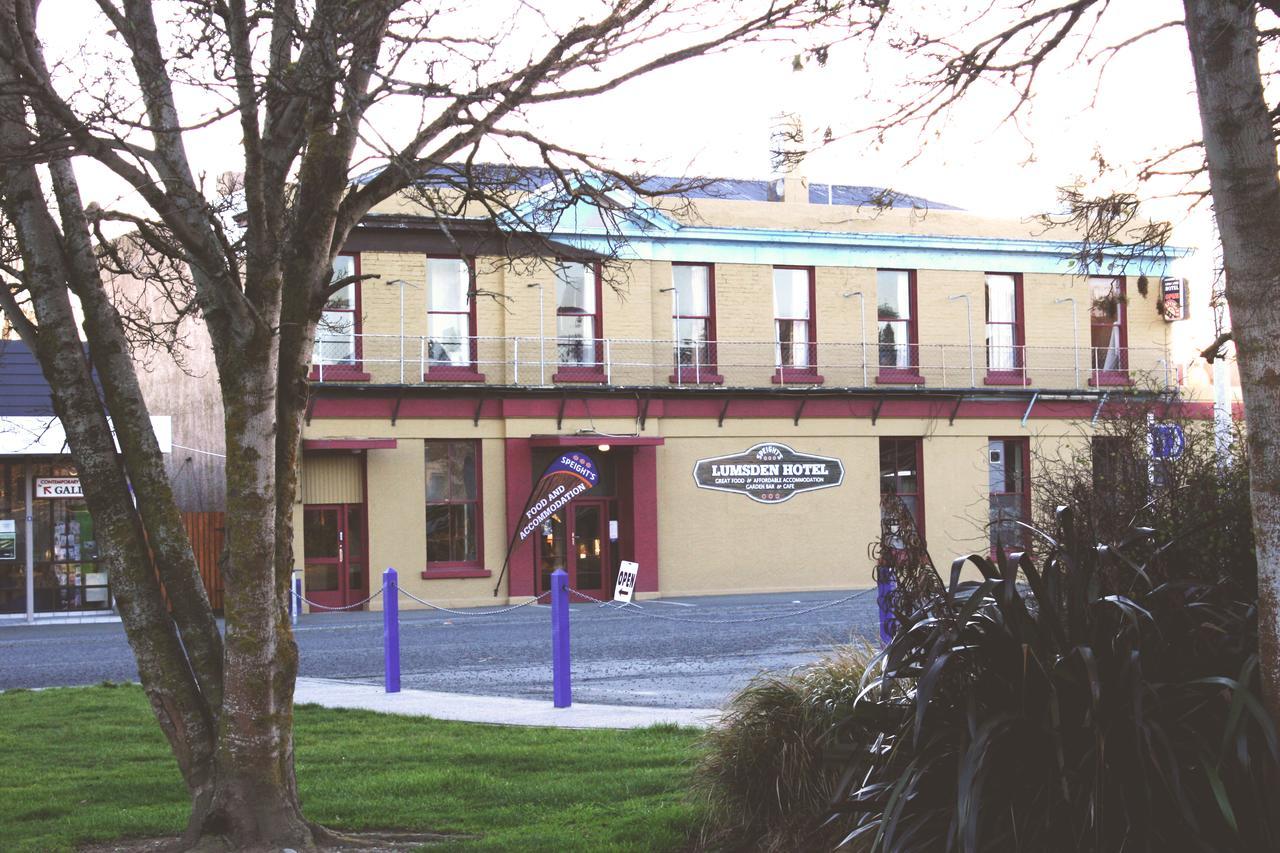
(496, 710)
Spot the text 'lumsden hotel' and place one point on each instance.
(751, 371)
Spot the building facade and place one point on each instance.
(749, 375)
(50, 566)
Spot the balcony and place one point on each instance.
(551, 362)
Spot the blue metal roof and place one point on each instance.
(23, 389)
(529, 178)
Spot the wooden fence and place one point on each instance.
(207, 531)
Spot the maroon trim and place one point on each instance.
(1006, 377)
(586, 373)
(519, 470)
(595, 440)
(711, 405)
(435, 569)
(897, 375)
(348, 444)
(348, 372)
(644, 517)
(700, 377)
(706, 373)
(1017, 376)
(451, 373)
(783, 375)
(797, 376)
(442, 574)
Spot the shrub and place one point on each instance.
(761, 775)
(1059, 716)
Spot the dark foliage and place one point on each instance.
(1198, 500)
(1036, 711)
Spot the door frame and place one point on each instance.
(344, 595)
(608, 506)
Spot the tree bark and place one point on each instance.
(1241, 153)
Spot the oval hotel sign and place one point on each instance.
(768, 473)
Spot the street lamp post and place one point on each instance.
(968, 322)
(862, 328)
(401, 283)
(542, 338)
(675, 330)
(1075, 336)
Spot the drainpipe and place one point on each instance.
(968, 322)
(1075, 336)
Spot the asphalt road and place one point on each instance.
(619, 657)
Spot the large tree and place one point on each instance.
(318, 92)
(1017, 44)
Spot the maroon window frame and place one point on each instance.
(1109, 360)
(1000, 488)
(808, 373)
(591, 370)
(455, 564)
(450, 372)
(890, 373)
(353, 371)
(1006, 359)
(896, 456)
(702, 370)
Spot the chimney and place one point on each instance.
(788, 152)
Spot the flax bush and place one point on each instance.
(761, 776)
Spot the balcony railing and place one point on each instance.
(533, 362)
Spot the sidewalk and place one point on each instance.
(496, 710)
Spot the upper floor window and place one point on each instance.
(451, 343)
(1005, 334)
(693, 320)
(794, 339)
(453, 504)
(1107, 332)
(578, 320)
(896, 330)
(336, 353)
(1008, 476)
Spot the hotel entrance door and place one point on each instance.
(576, 539)
(334, 554)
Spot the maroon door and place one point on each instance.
(576, 539)
(334, 554)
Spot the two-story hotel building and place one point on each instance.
(929, 353)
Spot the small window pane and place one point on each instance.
(893, 294)
(575, 288)
(1001, 299)
(448, 282)
(791, 294)
(692, 290)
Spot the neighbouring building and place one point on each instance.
(750, 373)
(49, 553)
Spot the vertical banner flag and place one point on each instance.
(570, 476)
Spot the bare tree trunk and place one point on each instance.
(1241, 152)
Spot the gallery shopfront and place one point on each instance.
(49, 550)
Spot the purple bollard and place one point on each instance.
(391, 631)
(296, 598)
(886, 587)
(561, 686)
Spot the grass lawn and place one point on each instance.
(90, 764)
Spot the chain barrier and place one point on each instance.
(313, 604)
(637, 610)
(500, 610)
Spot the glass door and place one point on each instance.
(576, 539)
(333, 554)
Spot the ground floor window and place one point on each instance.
(1009, 485)
(900, 481)
(453, 504)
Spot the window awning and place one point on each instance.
(589, 440)
(348, 444)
